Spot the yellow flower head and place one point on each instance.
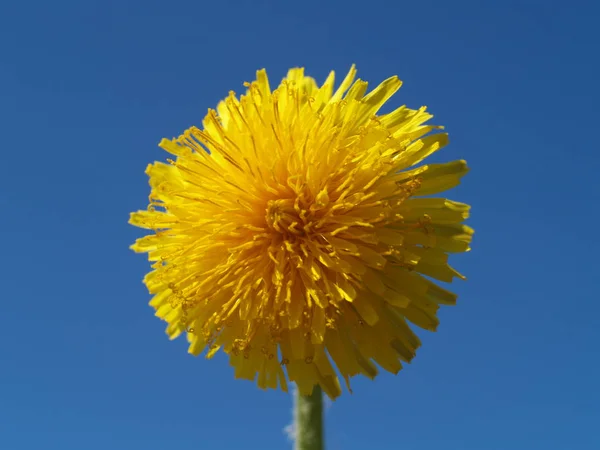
(291, 231)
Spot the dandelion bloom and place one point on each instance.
(292, 232)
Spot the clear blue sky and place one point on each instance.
(87, 90)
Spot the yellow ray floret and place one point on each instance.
(291, 232)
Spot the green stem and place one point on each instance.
(309, 420)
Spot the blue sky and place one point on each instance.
(88, 89)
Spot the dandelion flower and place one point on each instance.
(296, 232)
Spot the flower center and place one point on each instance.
(282, 217)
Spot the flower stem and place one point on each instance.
(309, 420)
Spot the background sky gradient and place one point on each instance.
(88, 89)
